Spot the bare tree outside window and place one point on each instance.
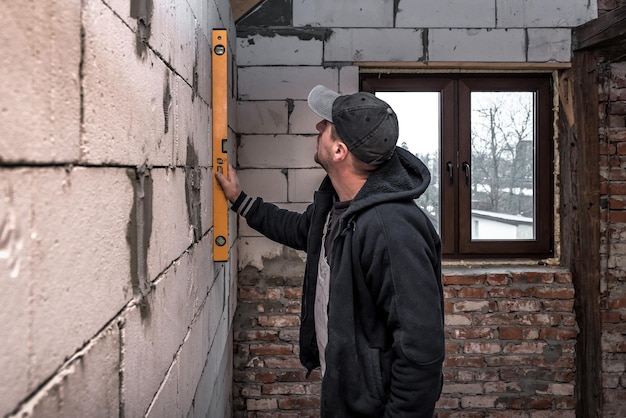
(502, 143)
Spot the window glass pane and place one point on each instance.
(419, 121)
(502, 166)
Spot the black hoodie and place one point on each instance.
(385, 314)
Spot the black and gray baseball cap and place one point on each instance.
(366, 124)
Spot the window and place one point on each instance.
(487, 140)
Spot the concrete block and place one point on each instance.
(262, 117)
(123, 87)
(184, 53)
(374, 45)
(176, 209)
(446, 14)
(304, 183)
(253, 251)
(546, 45)
(274, 49)
(541, 13)
(166, 402)
(192, 358)
(302, 119)
(330, 13)
(477, 45)
(277, 151)
(40, 54)
(349, 79)
(271, 185)
(279, 83)
(79, 258)
(213, 393)
(15, 275)
(153, 333)
(202, 65)
(87, 386)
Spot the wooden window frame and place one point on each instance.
(455, 147)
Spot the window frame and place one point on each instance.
(455, 147)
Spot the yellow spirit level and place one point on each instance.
(219, 83)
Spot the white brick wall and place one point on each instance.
(282, 65)
(79, 115)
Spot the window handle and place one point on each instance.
(467, 169)
(450, 169)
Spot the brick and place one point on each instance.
(259, 294)
(270, 349)
(299, 402)
(472, 293)
(471, 333)
(452, 279)
(557, 334)
(482, 348)
(464, 361)
(553, 293)
(279, 321)
(532, 277)
(478, 401)
(329, 13)
(477, 45)
(446, 14)
(525, 347)
(283, 389)
(463, 388)
(261, 404)
(40, 50)
(457, 319)
(472, 306)
(355, 45)
(519, 305)
(510, 333)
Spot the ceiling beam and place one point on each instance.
(241, 7)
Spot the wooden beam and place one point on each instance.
(606, 30)
(461, 66)
(241, 7)
(580, 222)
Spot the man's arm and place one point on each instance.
(280, 225)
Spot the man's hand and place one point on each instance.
(229, 185)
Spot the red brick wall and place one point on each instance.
(510, 345)
(613, 189)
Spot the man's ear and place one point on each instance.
(341, 151)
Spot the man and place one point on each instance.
(372, 304)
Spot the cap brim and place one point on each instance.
(321, 101)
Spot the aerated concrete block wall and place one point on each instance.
(511, 331)
(110, 303)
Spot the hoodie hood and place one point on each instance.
(403, 177)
